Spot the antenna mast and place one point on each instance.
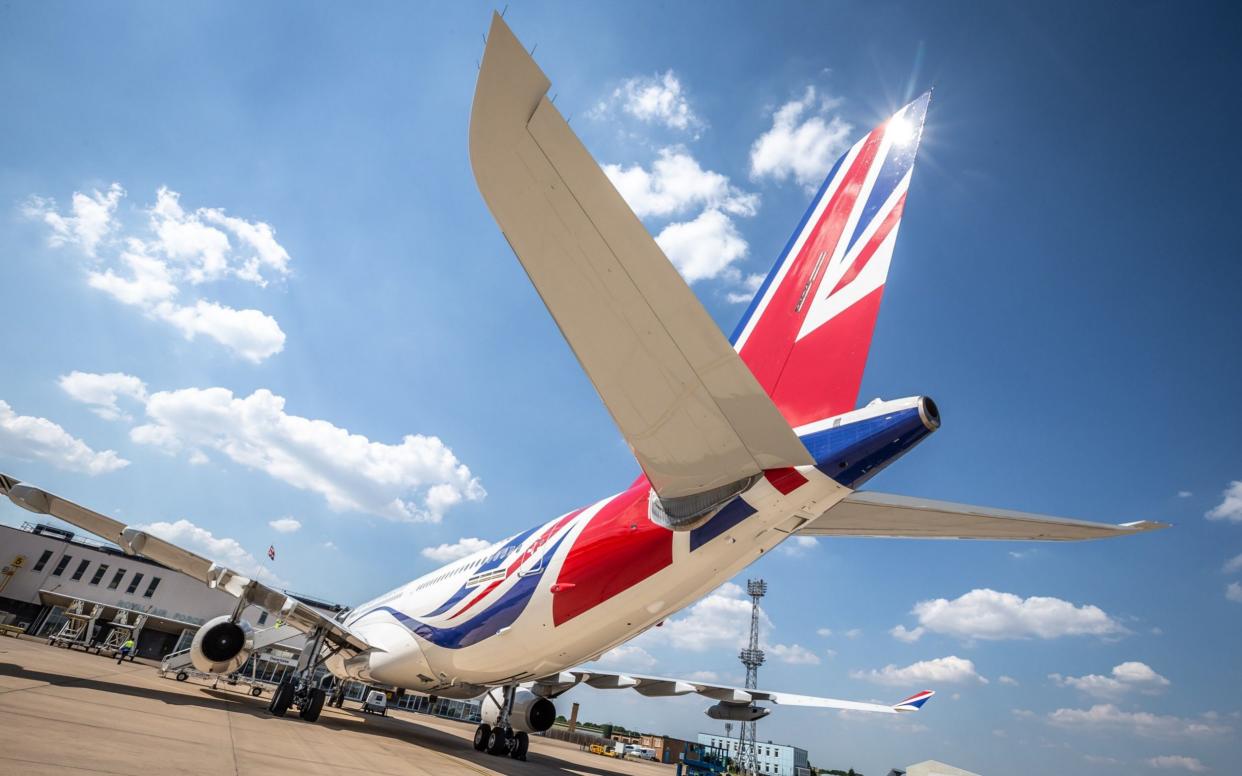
(752, 658)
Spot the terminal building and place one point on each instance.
(773, 759)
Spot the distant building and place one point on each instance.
(773, 759)
(667, 750)
(47, 568)
(930, 768)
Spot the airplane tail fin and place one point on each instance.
(808, 330)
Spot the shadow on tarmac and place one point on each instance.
(401, 728)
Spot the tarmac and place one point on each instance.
(68, 712)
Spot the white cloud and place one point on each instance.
(89, 221)
(223, 550)
(749, 287)
(942, 670)
(1234, 592)
(1126, 677)
(703, 676)
(413, 481)
(704, 248)
(1233, 565)
(909, 636)
(657, 99)
(251, 334)
(676, 184)
(329, 545)
(825, 632)
(853, 633)
(1106, 716)
(720, 619)
(101, 391)
(26, 437)
(803, 142)
(793, 654)
(1009, 680)
(798, 546)
(461, 548)
(285, 525)
(628, 656)
(1178, 762)
(1101, 760)
(147, 269)
(1184, 494)
(1230, 507)
(991, 615)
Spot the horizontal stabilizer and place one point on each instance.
(655, 686)
(865, 513)
(690, 409)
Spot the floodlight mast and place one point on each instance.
(752, 658)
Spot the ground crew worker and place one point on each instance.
(126, 650)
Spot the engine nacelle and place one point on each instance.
(221, 646)
(531, 713)
(737, 712)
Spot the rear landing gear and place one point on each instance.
(499, 739)
(481, 734)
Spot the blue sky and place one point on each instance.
(1065, 286)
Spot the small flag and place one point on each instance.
(271, 551)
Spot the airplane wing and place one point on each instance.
(659, 686)
(137, 542)
(690, 409)
(866, 513)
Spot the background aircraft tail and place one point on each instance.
(808, 330)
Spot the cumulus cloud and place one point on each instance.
(444, 553)
(1233, 565)
(803, 142)
(658, 99)
(1230, 507)
(88, 220)
(1233, 592)
(285, 525)
(793, 654)
(798, 546)
(1009, 680)
(825, 632)
(415, 480)
(628, 656)
(706, 247)
(1184, 494)
(942, 670)
(675, 184)
(909, 636)
(991, 615)
(747, 288)
(223, 550)
(1106, 716)
(1178, 763)
(150, 267)
(101, 391)
(1127, 677)
(27, 438)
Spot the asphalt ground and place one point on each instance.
(68, 712)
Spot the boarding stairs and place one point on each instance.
(177, 662)
(79, 625)
(126, 625)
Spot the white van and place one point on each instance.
(376, 703)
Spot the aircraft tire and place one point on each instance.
(497, 742)
(481, 734)
(521, 743)
(282, 699)
(311, 711)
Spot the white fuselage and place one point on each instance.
(615, 574)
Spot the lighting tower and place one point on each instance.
(752, 658)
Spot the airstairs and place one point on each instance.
(126, 625)
(79, 625)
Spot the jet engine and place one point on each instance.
(531, 713)
(221, 646)
(737, 712)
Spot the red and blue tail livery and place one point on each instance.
(807, 333)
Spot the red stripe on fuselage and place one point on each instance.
(617, 549)
(770, 341)
(531, 550)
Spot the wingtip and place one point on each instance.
(914, 702)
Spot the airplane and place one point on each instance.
(742, 442)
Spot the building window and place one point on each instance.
(116, 579)
(43, 559)
(155, 582)
(99, 572)
(133, 584)
(81, 570)
(60, 567)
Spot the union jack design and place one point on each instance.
(808, 330)
(271, 551)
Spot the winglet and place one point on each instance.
(914, 702)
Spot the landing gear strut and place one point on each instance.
(499, 739)
(300, 690)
